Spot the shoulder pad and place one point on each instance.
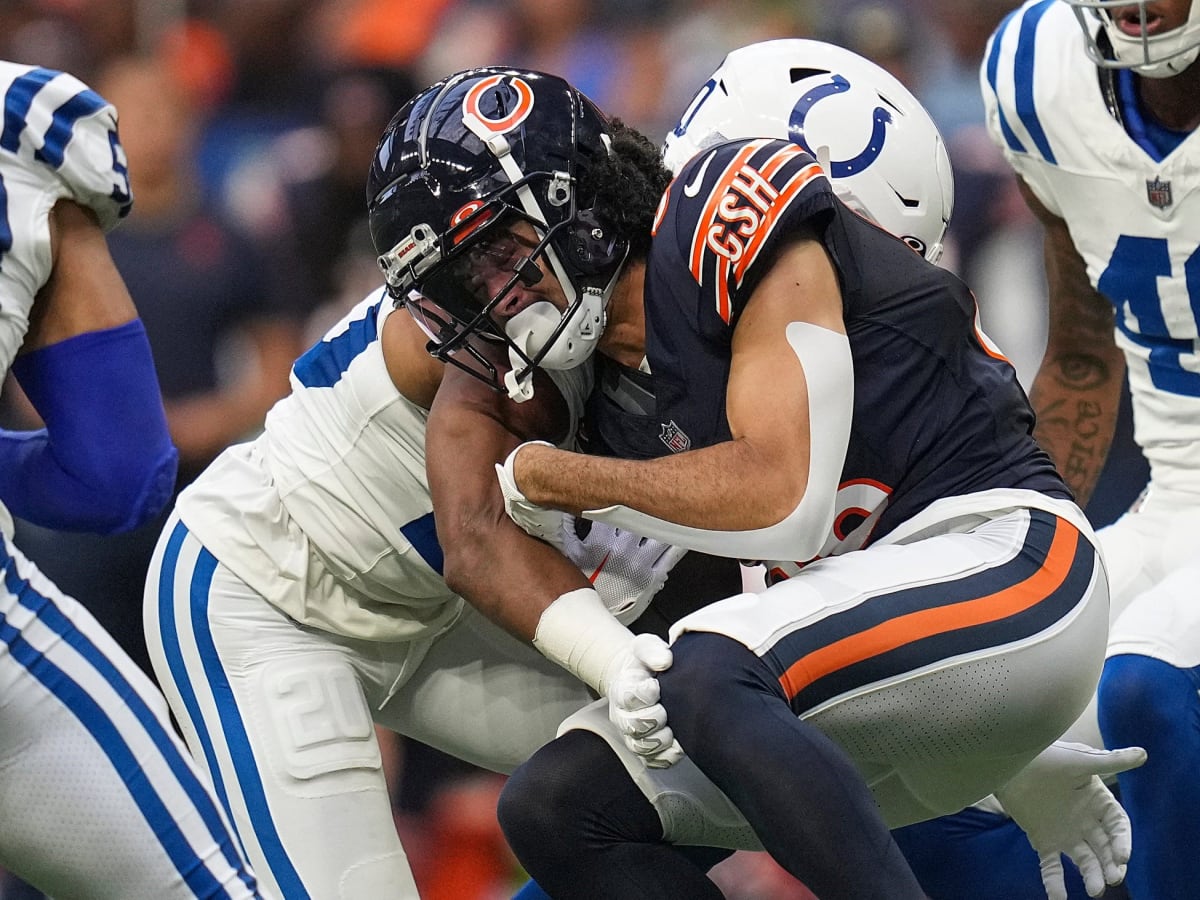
(730, 201)
(55, 121)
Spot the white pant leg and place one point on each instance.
(934, 738)
(1153, 561)
(278, 715)
(1153, 556)
(98, 797)
(484, 696)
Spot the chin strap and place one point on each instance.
(533, 329)
(518, 390)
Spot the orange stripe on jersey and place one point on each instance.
(926, 623)
(872, 482)
(661, 212)
(779, 159)
(724, 183)
(789, 192)
(989, 346)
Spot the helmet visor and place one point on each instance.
(448, 340)
(483, 268)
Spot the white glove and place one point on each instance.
(1063, 806)
(537, 521)
(633, 702)
(626, 570)
(579, 634)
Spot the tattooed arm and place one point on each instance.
(1078, 388)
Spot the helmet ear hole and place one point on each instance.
(592, 248)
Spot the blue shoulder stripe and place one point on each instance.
(324, 364)
(58, 135)
(1023, 79)
(1024, 76)
(993, 66)
(17, 101)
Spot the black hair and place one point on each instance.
(627, 185)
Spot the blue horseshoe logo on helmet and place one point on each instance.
(839, 168)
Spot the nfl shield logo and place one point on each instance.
(1158, 192)
(672, 435)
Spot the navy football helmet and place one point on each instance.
(458, 165)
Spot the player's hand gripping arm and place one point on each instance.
(769, 492)
(1077, 391)
(104, 462)
(526, 585)
(1063, 806)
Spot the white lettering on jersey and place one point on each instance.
(1045, 112)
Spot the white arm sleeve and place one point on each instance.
(829, 371)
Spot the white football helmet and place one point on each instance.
(1153, 55)
(872, 137)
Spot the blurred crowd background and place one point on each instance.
(250, 125)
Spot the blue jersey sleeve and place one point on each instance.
(105, 461)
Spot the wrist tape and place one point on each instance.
(579, 633)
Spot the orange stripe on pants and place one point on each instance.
(926, 623)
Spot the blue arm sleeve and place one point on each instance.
(105, 461)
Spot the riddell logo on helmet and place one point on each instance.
(508, 98)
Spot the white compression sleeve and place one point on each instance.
(579, 633)
(829, 371)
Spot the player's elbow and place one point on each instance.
(128, 495)
(792, 538)
(466, 554)
(155, 485)
(795, 529)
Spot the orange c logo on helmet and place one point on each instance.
(519, 112)
(465, 212)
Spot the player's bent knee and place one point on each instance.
(533, 803)
(705, 689)
(545, 800)
(547, 810)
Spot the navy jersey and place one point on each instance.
(938, 412)
(620, 417)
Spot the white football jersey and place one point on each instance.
(328, 514)
(58, 139)
(1135, 221)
